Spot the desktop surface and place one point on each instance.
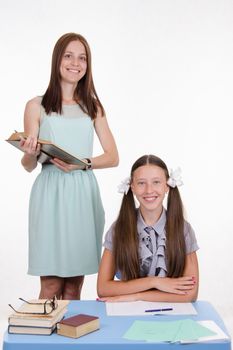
(112, 329)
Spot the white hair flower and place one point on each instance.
(124, 186)
(175, 178)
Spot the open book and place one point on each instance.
(48, 150)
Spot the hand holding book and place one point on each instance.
(66, 167)
(47, 152)
(29, 145)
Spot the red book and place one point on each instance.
(78, 325)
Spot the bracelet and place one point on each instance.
(88, 166)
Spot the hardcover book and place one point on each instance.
(28, 319)
(48, 150)
(78, 325)
(31, 330)
(28, 309)
(39, 321)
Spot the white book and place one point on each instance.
(29, 316)
(36, 321)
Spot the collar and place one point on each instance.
(159, 226)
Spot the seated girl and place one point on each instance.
(152, 250)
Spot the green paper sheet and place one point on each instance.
(166, 331)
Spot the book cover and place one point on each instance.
(48, 150)
(78, 325)
(31, 330)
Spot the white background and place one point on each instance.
(164, 72)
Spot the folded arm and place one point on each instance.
(182, 289)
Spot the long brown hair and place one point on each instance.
(85, 93)
(125, 239)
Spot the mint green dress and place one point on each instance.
(66, 216)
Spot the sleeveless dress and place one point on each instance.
(66, 216)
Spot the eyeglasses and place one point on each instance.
(48, 306)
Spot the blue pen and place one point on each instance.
(160, 310)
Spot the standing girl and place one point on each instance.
(151, 250)
(66, 216)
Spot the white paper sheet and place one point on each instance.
(220, 335)
(137, 308)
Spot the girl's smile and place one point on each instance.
(149, 185)
(74, 62)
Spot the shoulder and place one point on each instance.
(100, 115)
(32, 114)
(100, 112)
(188, 230)
(190, 238)
(101, 125)
(33, 105)
(108, 239)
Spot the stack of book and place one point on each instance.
(26, 322)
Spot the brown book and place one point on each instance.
(48, 150)
(78, 325)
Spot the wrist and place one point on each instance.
(153, 282)
(89, 164)
(31, 158)
(138, 296)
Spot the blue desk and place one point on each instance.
(109, 337)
